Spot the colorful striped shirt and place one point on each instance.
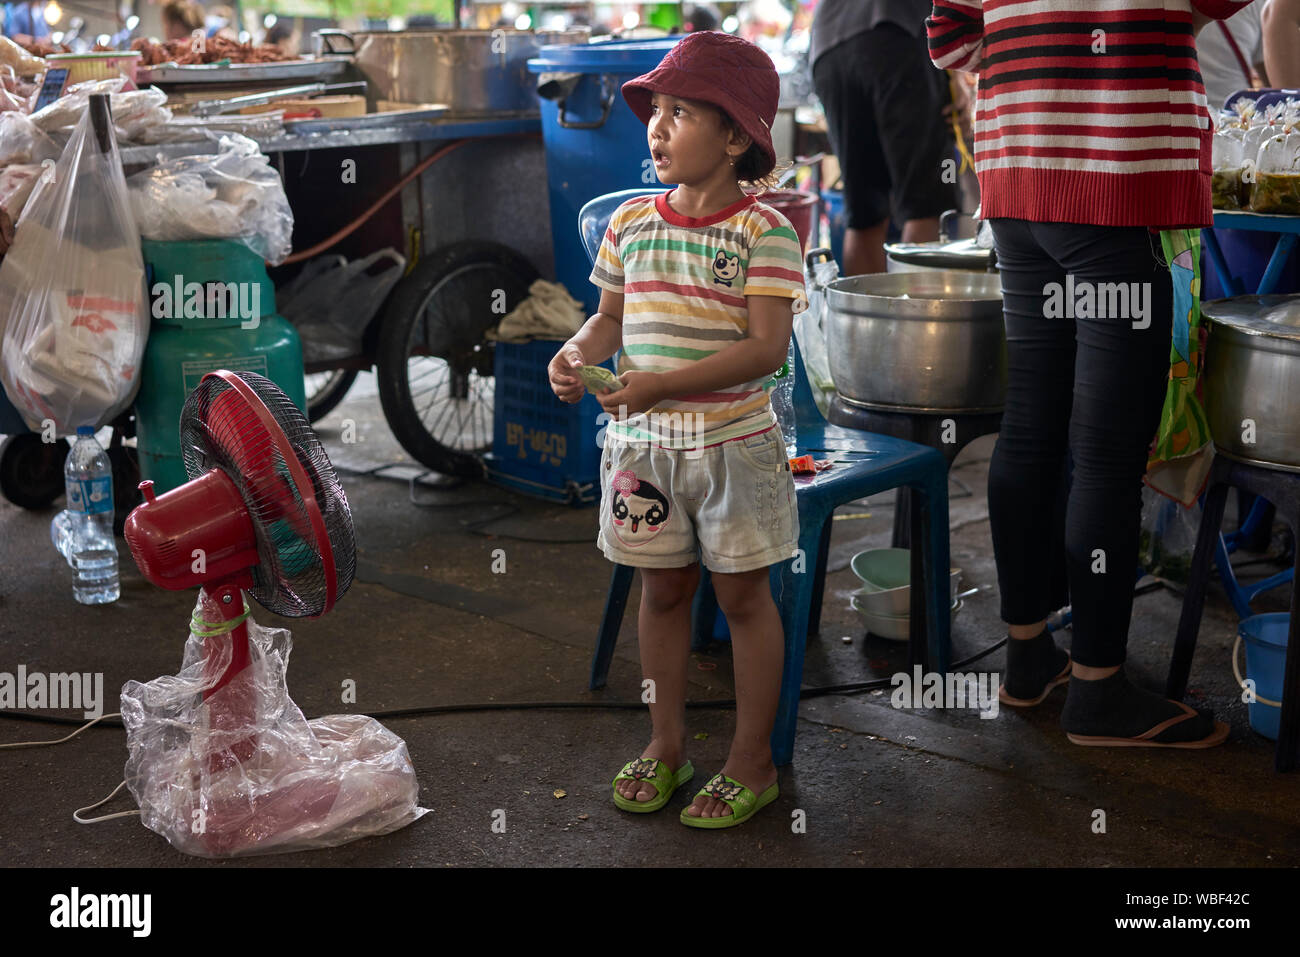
(1088, 111)
(684, 282)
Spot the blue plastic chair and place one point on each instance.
(864, 464)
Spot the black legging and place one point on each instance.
(1094, 386)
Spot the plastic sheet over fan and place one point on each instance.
(298, 785)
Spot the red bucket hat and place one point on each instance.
(731, 73)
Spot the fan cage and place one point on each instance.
(222, 429)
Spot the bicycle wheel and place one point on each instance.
(434, 362)
(325, 390)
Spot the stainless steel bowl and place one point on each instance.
(1252, 378)
(931, 341)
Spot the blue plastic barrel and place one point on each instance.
(594, 142)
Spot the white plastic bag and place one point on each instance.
(302, 785)
(234, 193)
(21, 141)
(134, 111)
(810, 328)
(72, 298)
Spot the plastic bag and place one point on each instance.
(299, 785)
(1226, 162)
(134, 111)
(72, 298)
(1168, 536)
(332, 300)
(22, 142)
(16, 185)
(810, 328)
(234, 193)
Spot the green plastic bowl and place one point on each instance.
(886, 576)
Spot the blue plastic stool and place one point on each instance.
(864, 464)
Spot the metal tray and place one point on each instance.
(342, 124)
(304, 69)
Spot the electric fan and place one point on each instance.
(264, 514)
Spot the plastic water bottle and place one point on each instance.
(92, 552)
(61, 534)
(782, 391)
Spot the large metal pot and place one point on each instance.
(930, 341)
(475, 72)
(1252, 378)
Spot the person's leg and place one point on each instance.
(852, 129)
(1120, 378)
(916, 140)
(664, 634)
(758, 655)
(864, 249)
(1027, 466)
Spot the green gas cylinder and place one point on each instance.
(213, 307)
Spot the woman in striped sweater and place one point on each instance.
(1092, 133)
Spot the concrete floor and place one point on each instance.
(428, 623)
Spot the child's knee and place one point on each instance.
(741, 596)
(665, 589)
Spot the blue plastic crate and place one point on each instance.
(540, 445)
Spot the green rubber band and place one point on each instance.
(210, 629)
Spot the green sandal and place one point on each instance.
(736, 796)
(654, 771)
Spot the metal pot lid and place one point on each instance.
(959, 254)
(1277, 317)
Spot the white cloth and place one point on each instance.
(1220, 69)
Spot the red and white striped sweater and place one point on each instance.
(1088, 111)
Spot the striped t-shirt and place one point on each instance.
(1089, 111)
(684, 281)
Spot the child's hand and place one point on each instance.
(641, 391)
(562, 372)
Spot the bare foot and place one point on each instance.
(757, 776)
(646, 790)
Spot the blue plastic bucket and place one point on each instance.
(1266, 639)
(594, 142)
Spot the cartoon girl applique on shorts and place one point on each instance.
(639, 509)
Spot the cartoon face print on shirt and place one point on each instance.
(639, 509)
(726, 267)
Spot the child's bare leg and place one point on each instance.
(664, 632)
(758, 653)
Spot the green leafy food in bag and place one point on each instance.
(1225, 189)
(1276, 193)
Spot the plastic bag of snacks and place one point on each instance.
(1277, 171)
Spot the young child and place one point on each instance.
(698, 287)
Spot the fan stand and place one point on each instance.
(231, 824)
(223, 601)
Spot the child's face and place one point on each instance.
(688, 140)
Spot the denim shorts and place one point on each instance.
(731, 505)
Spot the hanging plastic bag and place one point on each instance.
(1168, 536)
(332, 300)
(72, 298)
(300, 785)
(810, 329)
(233, 193)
